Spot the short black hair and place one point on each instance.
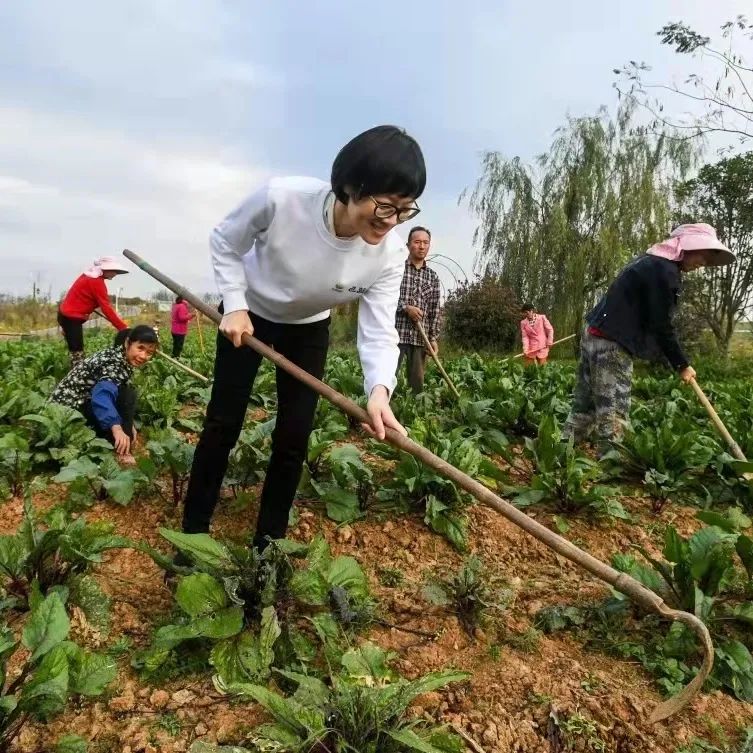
(419, 229)
(527, 307)
(178, 299)
(141, 333)
(382, 160)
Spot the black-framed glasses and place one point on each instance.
(384, 211)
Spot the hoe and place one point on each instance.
(622, 582)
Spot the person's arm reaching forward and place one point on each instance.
(230, 241)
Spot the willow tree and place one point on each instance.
(558, 231)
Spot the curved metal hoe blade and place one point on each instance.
(679, 701)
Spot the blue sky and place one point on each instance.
(140, 124)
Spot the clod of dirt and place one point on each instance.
(182, 697)
(344, 534)
(159, 699)
(124, 702)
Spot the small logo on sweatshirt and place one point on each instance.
(340, 288)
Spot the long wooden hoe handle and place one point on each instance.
(620, 581)
(718, 423)
(556, 342)
(201, 332)
(434, 355)
(734, 447)
(183, 366)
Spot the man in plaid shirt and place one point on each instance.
(419, 301)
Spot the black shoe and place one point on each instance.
(179, 560)
(260, 543)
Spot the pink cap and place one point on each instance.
(106, 264)
(697, 236)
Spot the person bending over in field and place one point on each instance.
(537, 335)
(86, 294)
(99, 388)
(634, 320)
(289, 252)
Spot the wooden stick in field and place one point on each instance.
(734, 447)
(434, 355)
(169, 358)
(556, 342)
(183, 366)
(618, 580)
(201, 333)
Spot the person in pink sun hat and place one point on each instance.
(634, 320)
(87, 293)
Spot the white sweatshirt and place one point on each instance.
(275, 256)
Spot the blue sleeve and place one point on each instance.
(104, 395)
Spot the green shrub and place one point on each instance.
(483, 314)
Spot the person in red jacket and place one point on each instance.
(87, 293)
(179, 325)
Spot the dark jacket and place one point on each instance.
(636, 311)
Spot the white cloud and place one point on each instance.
(451, 234)
(70, 191)
(122, 114)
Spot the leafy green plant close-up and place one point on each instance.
(89, 482)
(52, 669)
(708, 574)
(413, 486)
(243, 612)
(362, 706)
(471, 594)
(168, 450)
(668, 457)
(347, 493)
(564, 477)
(56, 556)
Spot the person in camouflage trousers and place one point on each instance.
(601, 399)
(634, 320)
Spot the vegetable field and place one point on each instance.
(399, 615)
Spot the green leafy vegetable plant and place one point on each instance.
(471, 594)
(241, 609)
(57, 557)
(362, 706)
(564, 477)
(169, 450)
(50, 670)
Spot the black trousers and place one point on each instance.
(73, 332)
(178, 342)
(126, 406)
(234, 373)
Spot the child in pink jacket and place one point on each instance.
(179, 327)
(537, 334)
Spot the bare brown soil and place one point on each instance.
(507, 706)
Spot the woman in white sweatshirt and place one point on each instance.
(282, 259)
